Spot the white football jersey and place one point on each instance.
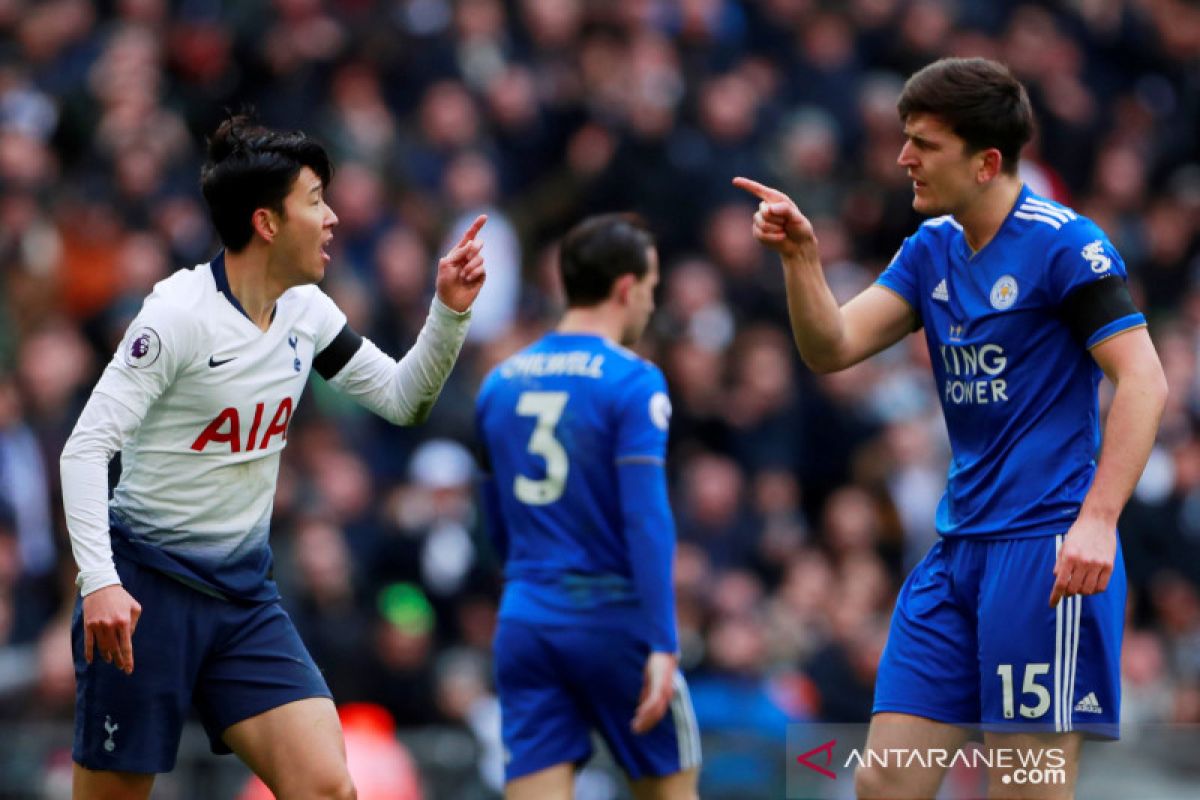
(215, 395)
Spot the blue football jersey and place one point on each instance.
(1019, 391)
(557, 421)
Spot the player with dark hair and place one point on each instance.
(198, 399)
(1012, 623)
(573, 432)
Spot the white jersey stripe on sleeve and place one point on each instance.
(1063, 212)
(1053, 223)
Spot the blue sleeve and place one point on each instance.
(649, 528)
(1085, 256)
(650, 536)
(644, 416)
(901, 274)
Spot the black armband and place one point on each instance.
(1094, 305)
(329, 362)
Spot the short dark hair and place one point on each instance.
(251, 167)
(981, 101)
(598, 251)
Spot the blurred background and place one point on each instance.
(801, 501)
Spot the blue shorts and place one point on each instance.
(974, 642)
(232, 661)
(558, 684)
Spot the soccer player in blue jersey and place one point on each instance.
(573, 433)
(198, 399)
(1012, 623)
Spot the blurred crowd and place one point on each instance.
(801, 501)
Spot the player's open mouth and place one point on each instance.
(325, 250)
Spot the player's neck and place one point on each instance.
(251, 283)
(600, 320)
(983, 217)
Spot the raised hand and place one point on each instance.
(778, 223)
(658, 687)
(110, 616)
(460, 272)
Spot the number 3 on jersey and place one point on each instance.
(548, 408)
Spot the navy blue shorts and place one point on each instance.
(232, 661)
(558, 684)
(974, 642)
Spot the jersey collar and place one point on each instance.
(965, 250)
(222, 279)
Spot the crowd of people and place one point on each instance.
(801, 500)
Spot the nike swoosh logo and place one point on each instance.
(212, 361)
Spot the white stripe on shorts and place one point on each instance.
(687, 732)
(1077, 602)
(1066, 652)
(1058, 651)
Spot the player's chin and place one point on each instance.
(926, 205)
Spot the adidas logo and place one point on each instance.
(940, 293)
(1089, 704)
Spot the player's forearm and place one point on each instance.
(1129, 433)
(83, 467)
(404, 392)
(816, 318)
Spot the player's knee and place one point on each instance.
(342, 790)
(871, 782)
(337, 786)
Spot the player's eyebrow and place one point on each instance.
(918, 140)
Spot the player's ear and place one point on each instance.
(622, 286)
(265, 222)
(991, 162)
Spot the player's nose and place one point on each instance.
(906, 157)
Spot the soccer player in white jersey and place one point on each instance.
(177, 568)
(1012, 623)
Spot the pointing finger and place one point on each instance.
(758, 190)
(464, 251)
(474, 229)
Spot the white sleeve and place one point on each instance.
(156, 345)
(404, 393)
(104, 424)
